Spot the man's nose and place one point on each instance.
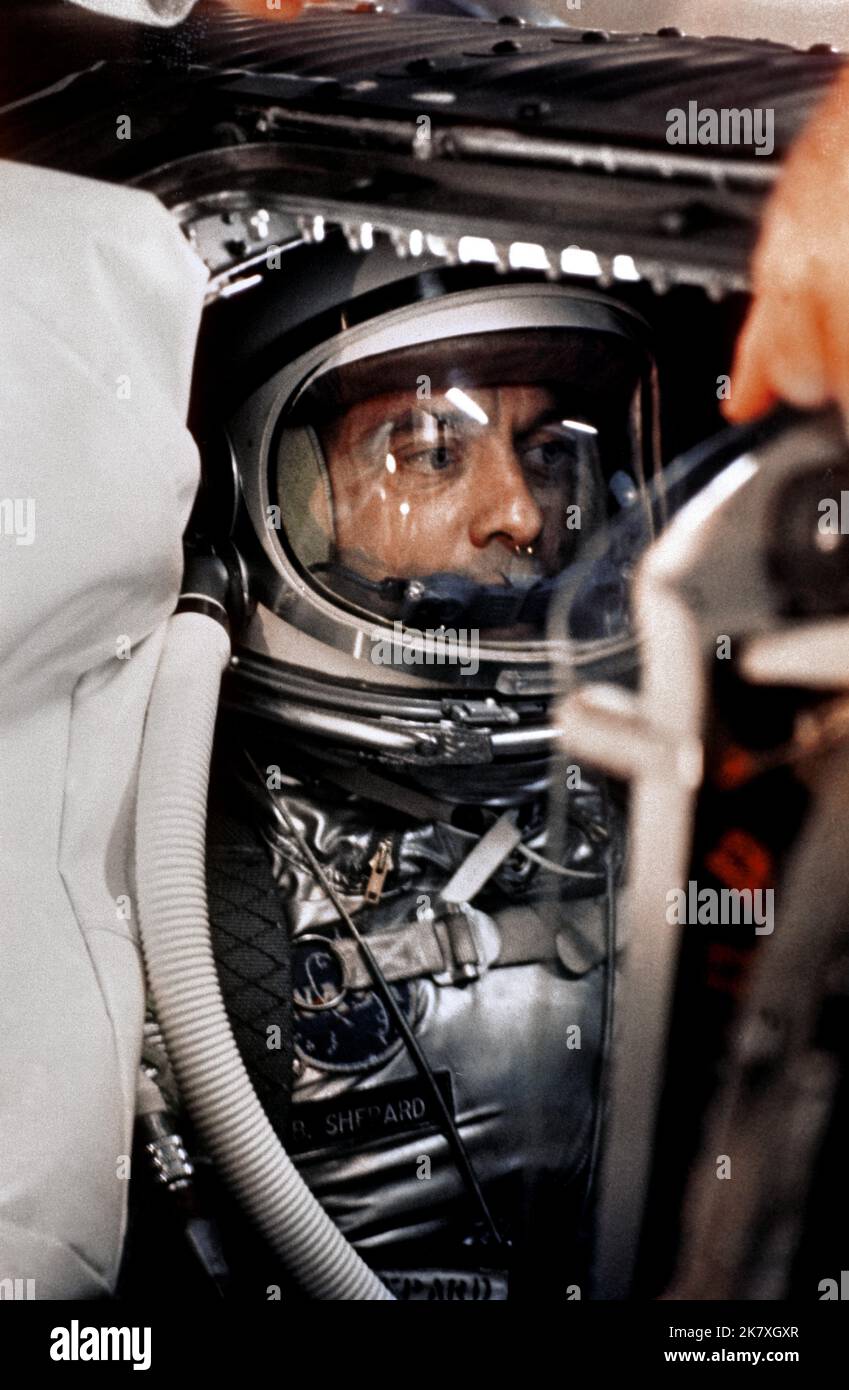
(504, 508)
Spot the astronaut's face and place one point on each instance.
(469, 482)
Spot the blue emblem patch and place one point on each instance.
(337, 1029)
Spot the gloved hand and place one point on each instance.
(167, 13)
(795, 343)
(260, 9)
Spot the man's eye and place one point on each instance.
(549, 457)
(435, 448)
(439, 459)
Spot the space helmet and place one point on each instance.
(407, 458)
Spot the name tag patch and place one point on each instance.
(445, 1286)
(364, 1116)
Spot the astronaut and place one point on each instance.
(421, 458)
(306, 668)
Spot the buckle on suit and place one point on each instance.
(462, 955)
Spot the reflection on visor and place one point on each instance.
(462, 502)
(593, 602)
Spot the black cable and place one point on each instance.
(450, 1130)
(606, 1046)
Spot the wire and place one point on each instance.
(606, 1047)
(450, 1130)
(551, 866)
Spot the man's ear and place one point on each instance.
(304, 494)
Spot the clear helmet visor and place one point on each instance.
(455, 481)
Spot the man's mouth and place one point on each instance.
(512, 569)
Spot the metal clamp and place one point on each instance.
(461, 952)
(171, 1163)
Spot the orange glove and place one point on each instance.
(795, 343)
(260, 9)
